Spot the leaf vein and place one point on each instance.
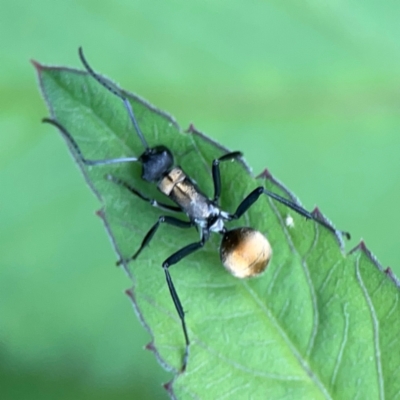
(297, 355)
(375, 326)
(290, 345)
(342, 345)
(328, 276)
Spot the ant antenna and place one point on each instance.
(126, 102)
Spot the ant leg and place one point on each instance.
(163, 219)
(256, 193)
(176, 257)
(154, 203)
(78, 152)
(216, 172)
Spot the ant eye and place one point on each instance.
(245, 252)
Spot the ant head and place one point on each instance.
(245, 252)
(156, 161)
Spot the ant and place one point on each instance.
(244, 251)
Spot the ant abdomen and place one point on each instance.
(245, 252)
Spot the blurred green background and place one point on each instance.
(310, 90)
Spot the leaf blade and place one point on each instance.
(305, 322)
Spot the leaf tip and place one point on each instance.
(36, 65)
(168, 387)
(191, 129)
(129, 293)
(150, 346)
(100, 214)
(318, 215)
(265, 174)
(360, 247)
(317, 212)
(392, 276)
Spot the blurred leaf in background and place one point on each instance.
(310, 91)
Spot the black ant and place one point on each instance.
(244, 251)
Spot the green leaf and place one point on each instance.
(318, 324)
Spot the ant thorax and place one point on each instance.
(185, 193)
